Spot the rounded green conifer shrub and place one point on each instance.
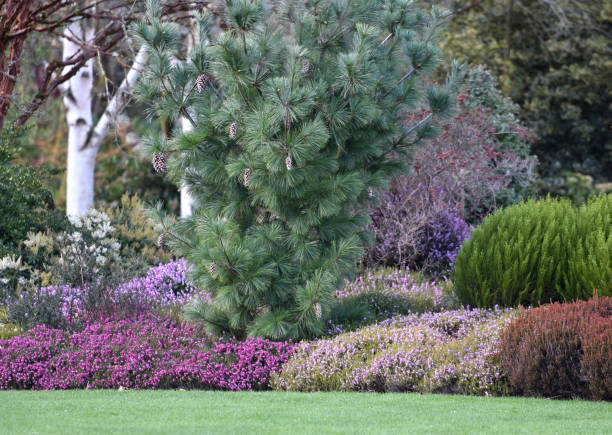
(537, 252)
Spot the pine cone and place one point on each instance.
(247, 177)
(213, 268)
(161, 240)
(305, 67)
(232, 131)
(201, 81)
(288, 163)
(159, 162)
(261, 216)
(318, 310)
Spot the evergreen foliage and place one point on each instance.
(554, 59)
(537, 252)
(26, 203)
(296, 115)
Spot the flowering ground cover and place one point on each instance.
(146, 352)
(379, 294)
(448, 352)
(177, 412)
(401, 284)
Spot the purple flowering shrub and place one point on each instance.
(164, 288)
(440, 241)
(449, 352)
(408, 235)
(399, 282)
(165, 285)
(144, 352)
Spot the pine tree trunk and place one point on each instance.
(77, 99)
(186, 198)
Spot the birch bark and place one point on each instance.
(77, 100)
(84, 140)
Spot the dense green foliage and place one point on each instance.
(536, 252)
(553, 58)
(27, 205)
(136, 232)
(295, 120)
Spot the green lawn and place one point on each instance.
(165, 412)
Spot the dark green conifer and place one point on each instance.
(298, 112)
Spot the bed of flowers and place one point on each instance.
(451, 352)
(391, 330)
(403, 285)
(144, 352)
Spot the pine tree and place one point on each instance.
(298, 113)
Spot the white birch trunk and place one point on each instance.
(83, 141)
(77, 99)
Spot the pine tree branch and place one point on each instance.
(404, 77)
(421, 122)
(229, 263)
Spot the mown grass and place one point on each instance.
(109, 412)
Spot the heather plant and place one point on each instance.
(376, 295)
(536, 252)
(163, 289)
(144, 352)
(450, 352)
(560, 351)
(296, 116)
(440, 241)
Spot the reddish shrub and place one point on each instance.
(474, 166)
(560, 350)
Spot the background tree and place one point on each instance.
(91, 33)
(553, 58)
(295, 120)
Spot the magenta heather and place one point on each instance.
(146, 352)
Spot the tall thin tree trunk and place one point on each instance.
(83, 139)
(77, 99)
(14, 15)
(186, 198)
